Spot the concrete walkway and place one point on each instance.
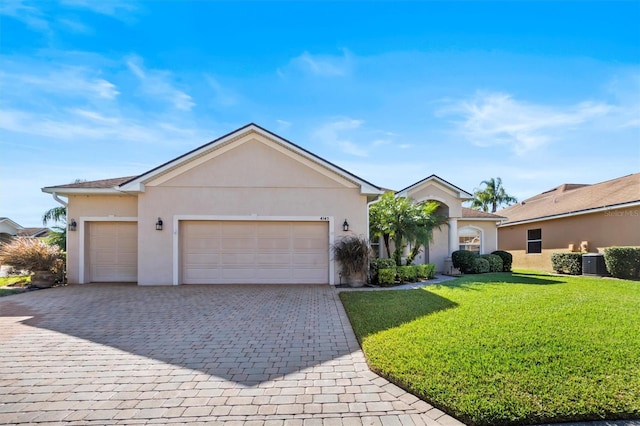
(254, 355)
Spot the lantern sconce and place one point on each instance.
(73, 225)
(345, 226)
(159, 225)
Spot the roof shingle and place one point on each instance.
(575, 198)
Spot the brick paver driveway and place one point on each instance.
(123, 354)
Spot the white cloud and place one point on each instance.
(67, 81)
(321, 65)
(119, 9)
(157, 83)
(223, 96)
(497, 118)
(332, 133)
(33, 17)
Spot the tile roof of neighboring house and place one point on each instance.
(33, 232)
(570, 199)
(477, 214)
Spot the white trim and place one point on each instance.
(480, 219)
(64, 191)
(578, 213)
(255, 218)
(81, 235)
(134, 185)
(458, 192)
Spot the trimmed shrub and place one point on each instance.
(507, 259)
(431, 270)
(421, 271)
(623, 262)
(495, 262)
(387, 276)
(567, 263)
(480, 265)
(463, 260)
(406, 274)
(377, 264)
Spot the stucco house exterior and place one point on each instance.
(248, 207)
(8, 229)
(572, 218)
(466, 229)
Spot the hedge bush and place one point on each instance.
(623, 262)
(463, 260)
(406, 274)
(495, 262)
(430, 270)
(387, 276)
(567, 263)
(377, 264)
(480, 265)
(507, 259)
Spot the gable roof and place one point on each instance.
(575, 199)
(34, 232)
(11, 223)
(461, 192)
(468, 213)
(136, 183)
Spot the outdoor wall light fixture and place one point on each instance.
(345, 226)
(73, 225)
(159, 225)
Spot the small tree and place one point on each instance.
(58, 234)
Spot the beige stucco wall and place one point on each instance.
(619, 227)
(489, 231)
(433, 190)
(89, 207)
(253, 179)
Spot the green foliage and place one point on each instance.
(493, 195)
(623, 262)
(507, 349)
(376, 265)
(56, 214)
(387, 276)
(426, 271)
(403, 221)
(495, 262)
(463, 260)
(30, 254)
(507, 259)
(58, 237)
(406, 274)
(353, 254)
(480, 266)
(567, 263)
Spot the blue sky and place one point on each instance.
(538, 94)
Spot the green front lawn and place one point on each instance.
(5, 281)
(503, 348)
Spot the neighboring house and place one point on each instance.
(34, 232)
(466, 229)
(249, 207)
(572, 218)
(8, 229)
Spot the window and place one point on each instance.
(534, 240)
(469, 239)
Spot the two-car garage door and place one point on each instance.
(259, 252)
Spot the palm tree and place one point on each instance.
(403, 221)
(58, 235)
(56, 214)
(492, 195)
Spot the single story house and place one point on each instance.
(572, 218)
(466, 229)
(8, 229)
(248, 207)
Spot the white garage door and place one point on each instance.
(113, 251)
(222, 252)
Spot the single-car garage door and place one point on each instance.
(254, 252)
(113, 251)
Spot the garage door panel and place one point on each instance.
(254, 252)
(113, 251)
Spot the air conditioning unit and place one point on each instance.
(593, 265)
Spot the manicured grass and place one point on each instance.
(5, 281)
(503, 348)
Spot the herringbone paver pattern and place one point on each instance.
(253, 355)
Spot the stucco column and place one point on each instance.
(453, 235)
